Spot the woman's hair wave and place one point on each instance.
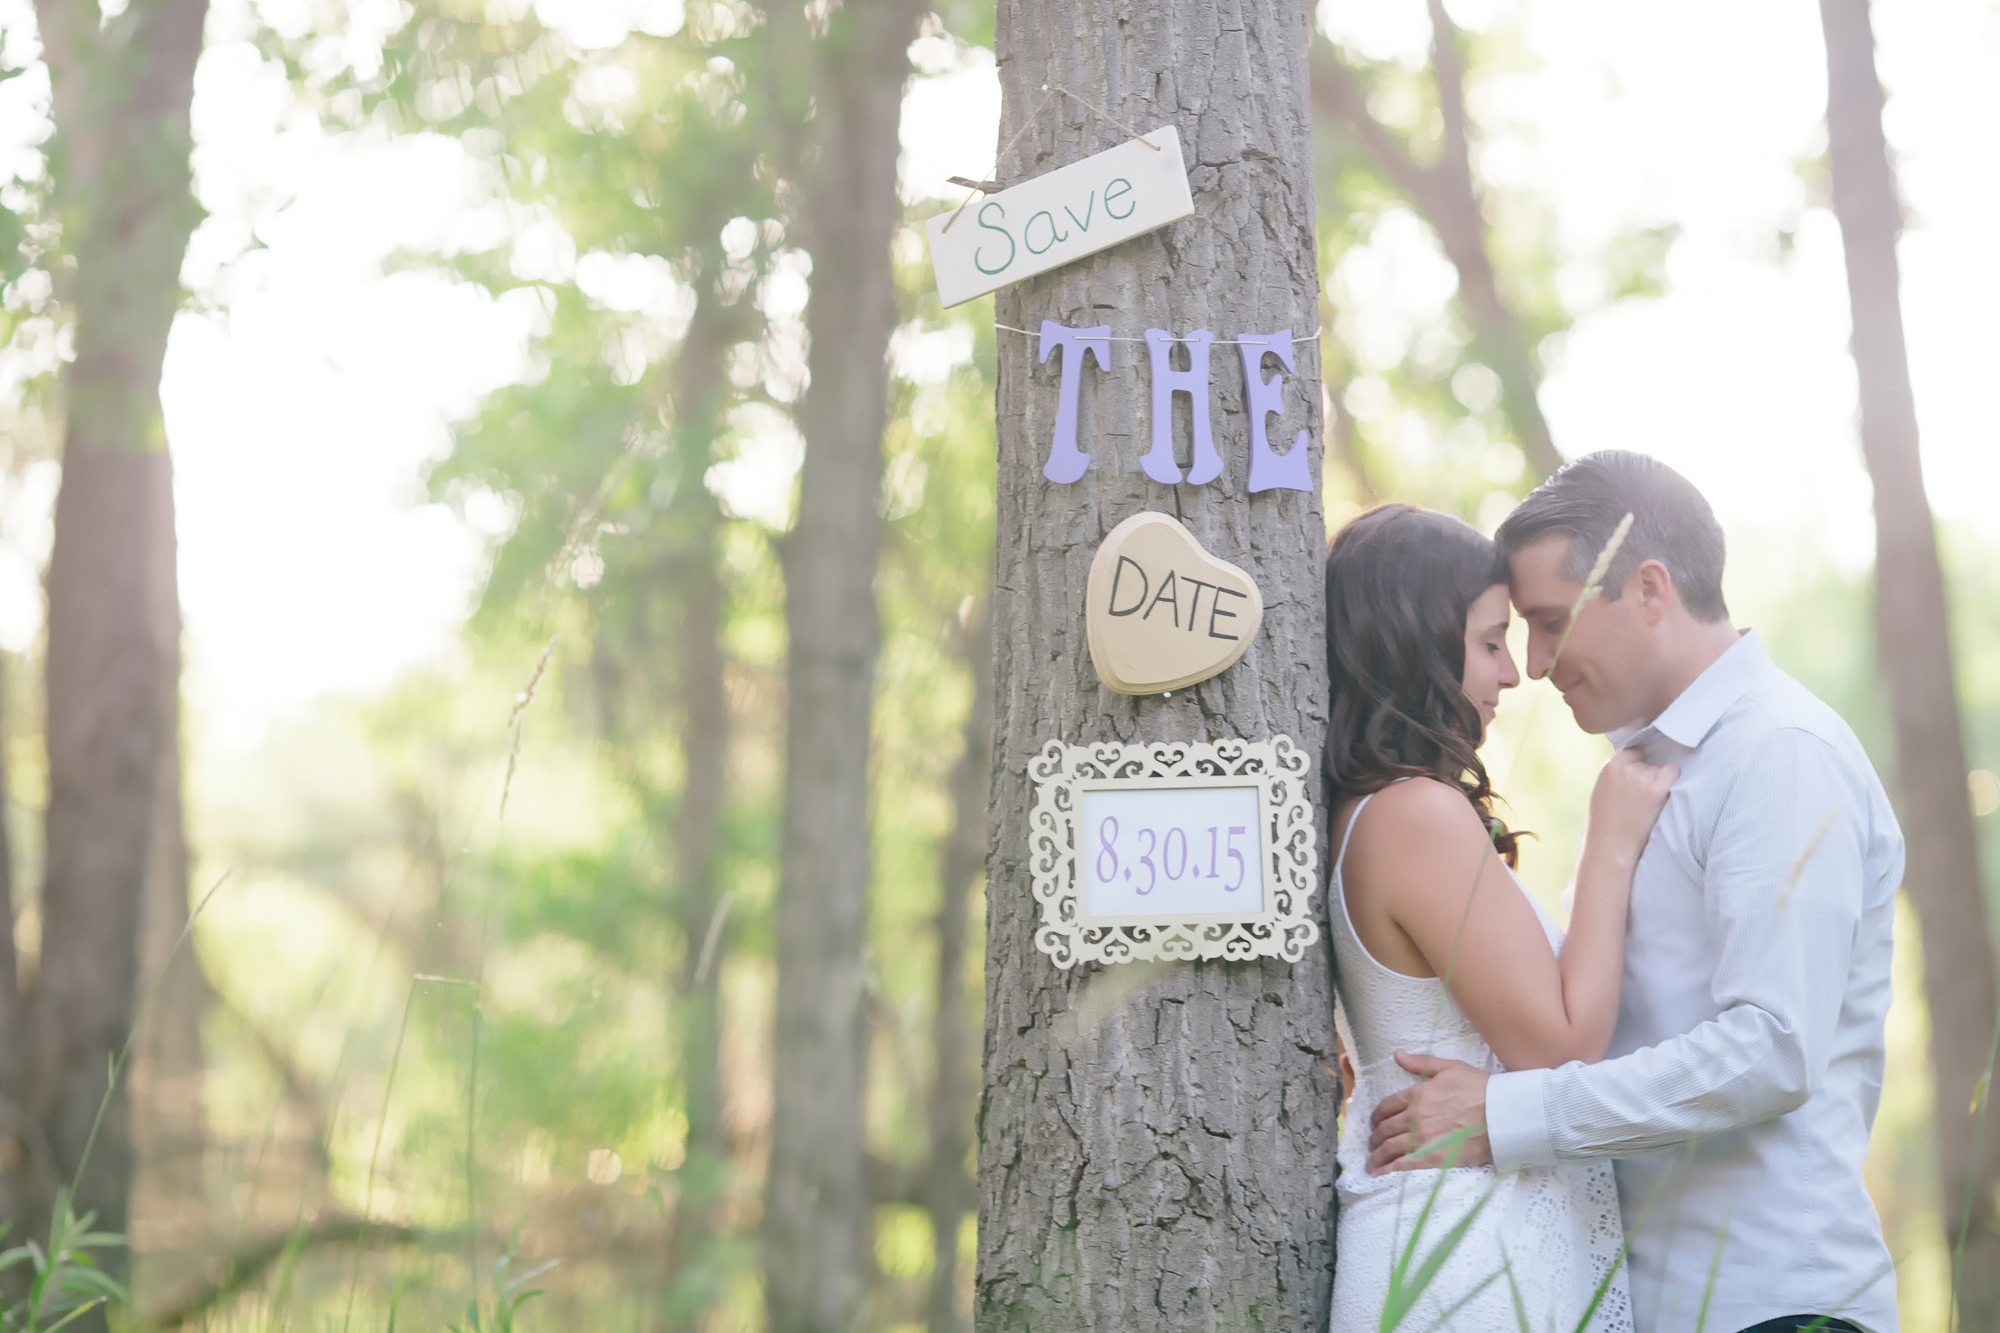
(1399, 583)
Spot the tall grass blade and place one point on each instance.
(1443, 1321)
(517, 721)
(375, 1155)
(1714, 1272)
(76, 1314)
(116, 1066)
(1618, 1261)
(1972, 1176)
(1403, 1298)
(1593, 588)
(1404, 1291)
(1514, 1291)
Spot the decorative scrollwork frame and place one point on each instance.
(1289, 845)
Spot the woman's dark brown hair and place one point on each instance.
(1399, 583)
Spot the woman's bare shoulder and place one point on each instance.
(1424, 805)
(1411, 826)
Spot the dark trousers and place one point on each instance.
(1792, 1323)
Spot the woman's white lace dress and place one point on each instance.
(1542, 1242)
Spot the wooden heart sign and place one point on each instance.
(1161, 612)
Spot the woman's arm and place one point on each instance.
(1429, 897)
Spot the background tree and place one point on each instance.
(1449, 198)
(817, 1226)
(1156, 1143)
(1914, 641)
(1394, 140)
(122, 88)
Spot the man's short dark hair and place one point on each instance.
(1671, 523)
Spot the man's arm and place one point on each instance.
(1783, 892)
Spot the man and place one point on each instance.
(1747, 1063)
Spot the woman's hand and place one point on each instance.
(1629, 797)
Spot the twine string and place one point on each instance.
(1001, 156)
(1048, 95)
(1216, 342)
(1092, 106)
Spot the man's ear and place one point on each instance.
(1653, 586)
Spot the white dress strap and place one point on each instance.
(1347, 835)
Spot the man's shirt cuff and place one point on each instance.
(1517, 1120)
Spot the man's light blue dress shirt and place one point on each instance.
(1747, 1064)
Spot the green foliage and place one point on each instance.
(1410, 1277)
(510, 1293)
(65, 1280)
(1423, 404)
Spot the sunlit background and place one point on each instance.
(309, 387)
(323, 360)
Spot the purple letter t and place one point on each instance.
(1067, 462)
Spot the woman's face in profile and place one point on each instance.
(1489, 666)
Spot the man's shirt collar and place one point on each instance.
(1690, 717)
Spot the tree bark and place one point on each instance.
(26, 1169)
(817, 1232)
(701, 389)
(1156, 1142)
(167, 1070)
(122, 94)
(1447, 197)
(1914, 641)
(951, 1096)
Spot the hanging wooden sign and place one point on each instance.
(1176, 850)
(1056, 219)
(1160, 612)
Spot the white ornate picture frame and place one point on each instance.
(1286, 849)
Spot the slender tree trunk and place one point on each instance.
(1448, 198)
(122, 93)
(1913, 632)
(26, 1170)
(167, 1067)
(1156, 1142)
(951, 1097)
(817, 1227)
(703, 919)
(701, 387)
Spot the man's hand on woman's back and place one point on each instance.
(1447, 1108)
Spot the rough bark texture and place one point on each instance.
(122, 94)
(1156, 1142)
(1445, 194)
(818, 1241)
(951, 1098)
(1914, 640)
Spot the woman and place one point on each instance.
(1440, 949)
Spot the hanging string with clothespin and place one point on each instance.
(1049, 92)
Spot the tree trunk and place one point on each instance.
(1914, 639)
(817, 1232)
(951, 1097)
(122, 93)
(1156, 1142)
(26, 1171)
(700, 390)
(1447, 197)
(167, 1069)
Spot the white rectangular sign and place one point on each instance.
(1171, 853)
(1056, 219)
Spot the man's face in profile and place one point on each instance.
(1604, 670)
